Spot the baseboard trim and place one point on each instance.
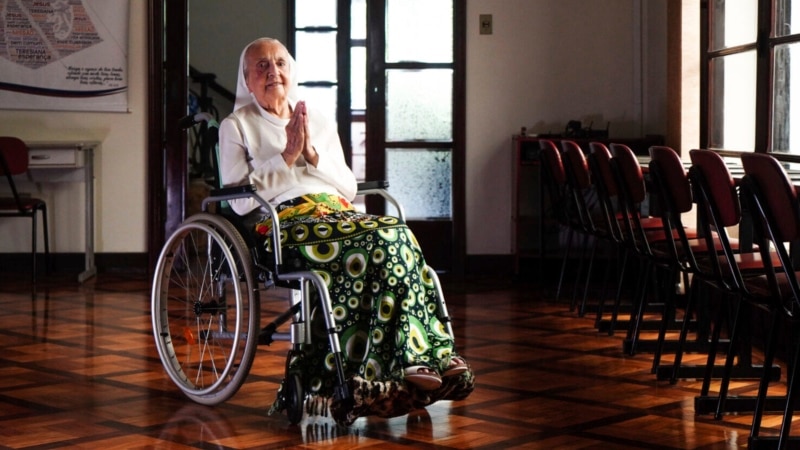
(138, 262)
(75, 262)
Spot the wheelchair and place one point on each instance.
(206, 304)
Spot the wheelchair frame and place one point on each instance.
(206, 304)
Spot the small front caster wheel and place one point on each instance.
(294, 398)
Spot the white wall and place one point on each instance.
(547, 62)
(120, 194)
(242, 20)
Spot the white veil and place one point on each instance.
(243, 95)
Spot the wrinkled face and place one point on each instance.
(267, 72)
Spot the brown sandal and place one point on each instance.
(457, 366)
(423, 377)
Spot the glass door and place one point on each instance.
(396, 88)
(414, 100)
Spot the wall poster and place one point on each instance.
(68, 55)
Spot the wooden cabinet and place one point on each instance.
(534, 233)
(527, 200)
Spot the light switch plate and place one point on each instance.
(486, 23)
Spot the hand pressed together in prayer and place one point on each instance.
(298, 138)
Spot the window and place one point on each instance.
(752, 60)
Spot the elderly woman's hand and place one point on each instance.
(298, 138)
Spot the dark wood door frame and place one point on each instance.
(167, 169)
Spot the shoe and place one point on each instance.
(423, 377)
(457, 366)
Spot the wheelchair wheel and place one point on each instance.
(205, 309)
(294, 398)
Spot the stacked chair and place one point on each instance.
(590, 222)
(772, 200)
(563, 207)
(607, 190)
(725, 279)
(678, 253)
(647, 245)
(738, 275)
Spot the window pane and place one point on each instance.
(358, 19)
(786, 15)
(314, 13)
(320, 98)
(786, 100)
(358, 78)
(734, 22)
(421, 181)
(316, 56)
(419, 30)
(419, 105)
(733, 100)
(359, 143)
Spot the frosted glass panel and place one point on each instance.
(419, 105)
(314, 13)
(421, 180)
(358, 78)
(322, 99)
(358, 19)
(419, 30)
(316, 56)
(733, 101)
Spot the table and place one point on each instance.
(68, 161)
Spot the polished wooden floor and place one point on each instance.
(78, 368)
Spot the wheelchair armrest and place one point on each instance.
(229, 193)
(237, 191)
(371, 185)
(379, 187)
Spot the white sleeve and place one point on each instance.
(270, 177)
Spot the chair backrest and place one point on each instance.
(551, 162)
(674, 193)
(578, 182)
(600, 158)
(631, 192)
(710, 173)
(770, 184)
(602, 177)
(718, 207)
(669, 166)
(772, 199)
(14, 153)
(555, 178)
(632, 181)
(13, 161)
(576, 167)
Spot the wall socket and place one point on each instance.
(486, 23)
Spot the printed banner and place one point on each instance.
(69, 55)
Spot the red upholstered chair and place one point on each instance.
(592, 223)
(14, 161)
(561, 208)
(678, 253)
(772, 199)
(736, 273)
(607, 189)
(651, 247)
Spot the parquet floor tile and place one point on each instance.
(79, 369)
